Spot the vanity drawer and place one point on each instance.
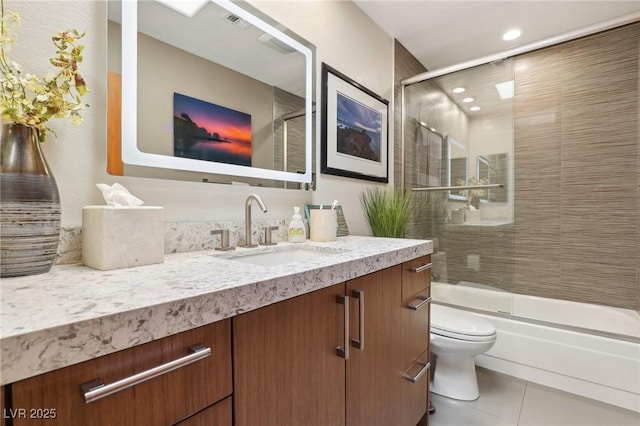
(416, 276)
(199, 380)
(220, 414)
(416, 307)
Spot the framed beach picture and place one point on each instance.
(210, 132)
(355, 129)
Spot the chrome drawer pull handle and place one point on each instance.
(421, 268)
(425, 366)
(359, 342)
(422, 303)
(96, 389)
(343, 351)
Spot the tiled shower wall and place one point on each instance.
(576, 170)
(405, 66)
(577, 181)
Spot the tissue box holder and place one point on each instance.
(121, 237)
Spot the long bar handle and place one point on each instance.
(343, 351)
(421, 268)
(359, 342)
(419, 305)
(96, 389)
(425, 367)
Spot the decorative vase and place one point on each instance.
(29, 204)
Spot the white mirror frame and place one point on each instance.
(450, 140)
(133, 156)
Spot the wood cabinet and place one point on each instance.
(286, 371)
(3, 406)
(289, 358)
(373, 379)
(56, 398)
(416, 303)
(351, 354)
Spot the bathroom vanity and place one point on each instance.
(336, 337)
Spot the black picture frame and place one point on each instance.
(355, 129)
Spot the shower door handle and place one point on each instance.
(359, 342)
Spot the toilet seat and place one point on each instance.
(464, 337)
(457, 324)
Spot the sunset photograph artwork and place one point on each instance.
(210, 132)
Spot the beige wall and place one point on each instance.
(345, 38)
(350, 42)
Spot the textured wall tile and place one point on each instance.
(405, 66)
(576, 153)
(593, 283)
(537, 277)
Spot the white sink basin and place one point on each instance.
(281, 255)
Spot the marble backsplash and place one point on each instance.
(180, 237)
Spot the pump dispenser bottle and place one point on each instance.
(297, 232)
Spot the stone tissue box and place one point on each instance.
(121, 237)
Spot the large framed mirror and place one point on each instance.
(208, 90)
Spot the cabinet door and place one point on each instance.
(416, 279)
(286, 370)
(163, 400)
(374, 371)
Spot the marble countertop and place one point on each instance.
(75, 313)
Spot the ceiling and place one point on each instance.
(446, 33)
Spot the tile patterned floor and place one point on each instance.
(507, 401)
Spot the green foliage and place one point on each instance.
(387, 211)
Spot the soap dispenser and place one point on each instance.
(297, 232)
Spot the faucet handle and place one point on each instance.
(224, 239)
(267, 235)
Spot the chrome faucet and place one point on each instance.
(247, 217)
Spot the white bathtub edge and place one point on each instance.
(606, 394)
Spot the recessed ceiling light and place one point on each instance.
(505, 89)
(188, 8)
(467, 100)
(460, 89)
(512, 34)
(474, 108)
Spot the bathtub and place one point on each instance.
(588, 350)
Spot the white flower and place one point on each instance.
(43, 98)
(76, 119)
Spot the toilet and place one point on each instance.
(457, 337)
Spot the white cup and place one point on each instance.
(324, 225)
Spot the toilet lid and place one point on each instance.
(459, 324)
